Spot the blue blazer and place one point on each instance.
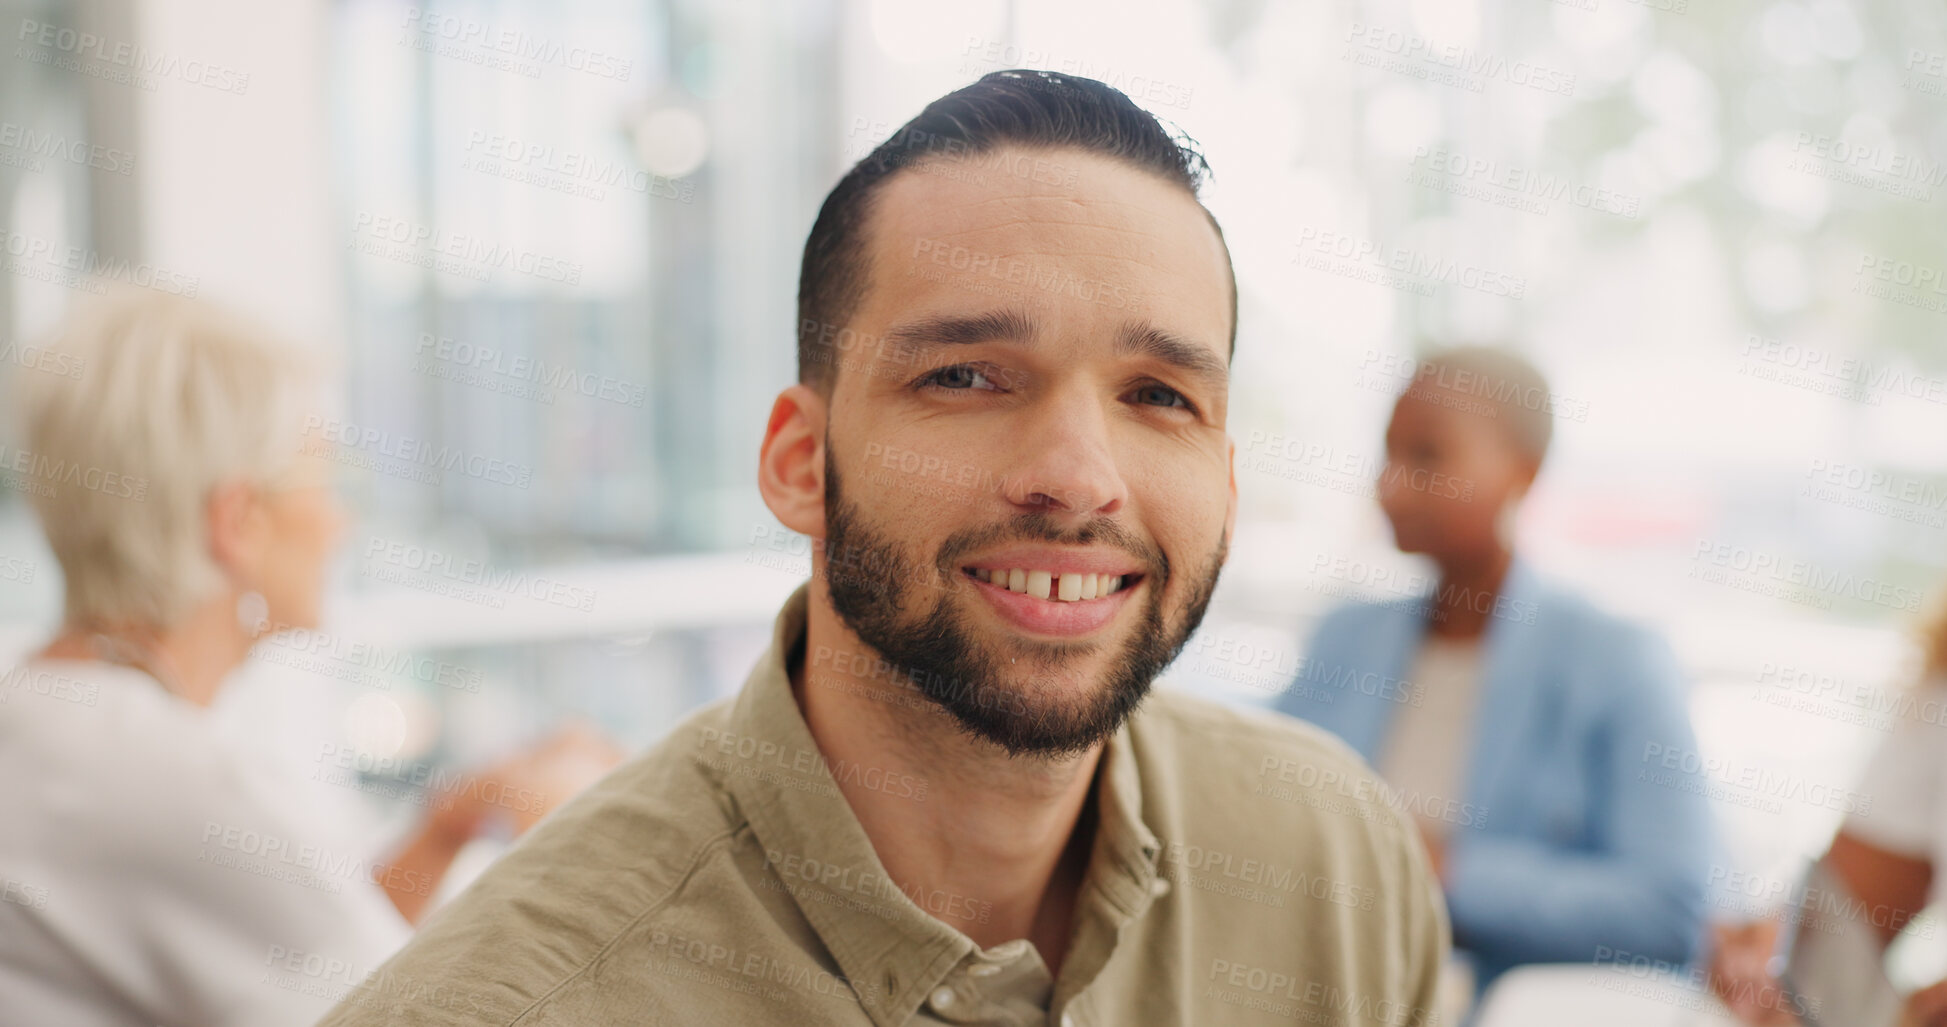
(1583, 836)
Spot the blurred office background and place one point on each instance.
(558, 243)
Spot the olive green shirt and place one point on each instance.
(1245, 869)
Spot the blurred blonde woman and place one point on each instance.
(153, 873)
(1886, 858)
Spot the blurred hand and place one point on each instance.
(521, 790)
(1926, 1007)
(1740, 972)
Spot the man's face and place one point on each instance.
(1029, 488)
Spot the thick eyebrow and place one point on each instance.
(1136, 338)
(903, 340)
(1145, 339)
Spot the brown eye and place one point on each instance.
(1160, 395)
(959, 377)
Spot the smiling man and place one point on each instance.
(947, 793)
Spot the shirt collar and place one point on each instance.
(892, 951)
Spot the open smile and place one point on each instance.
(1055, 600)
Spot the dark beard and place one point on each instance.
(870, 580)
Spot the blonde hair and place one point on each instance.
(171, 398)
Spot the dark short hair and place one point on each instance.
(1036, 109)
(1495, 382)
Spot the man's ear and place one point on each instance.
(1230, 515)
(791, 465)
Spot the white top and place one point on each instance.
(1904, 789)
(151, 874)
(1424, 755)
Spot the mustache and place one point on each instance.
(1040, 527)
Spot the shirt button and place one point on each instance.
(983, 969)
(943, 998)
(1159, 886)
(1067, 1020)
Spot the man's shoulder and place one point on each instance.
(1253, 778)
(1209, 737)
(546, 910)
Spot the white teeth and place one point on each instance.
(1067, 588)
(1039, 583)
(1070, 587)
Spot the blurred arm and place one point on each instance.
(1642, 893)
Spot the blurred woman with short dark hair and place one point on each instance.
(1524, 730)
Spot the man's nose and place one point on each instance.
(1066, 460)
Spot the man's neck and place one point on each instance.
(1001, 841)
